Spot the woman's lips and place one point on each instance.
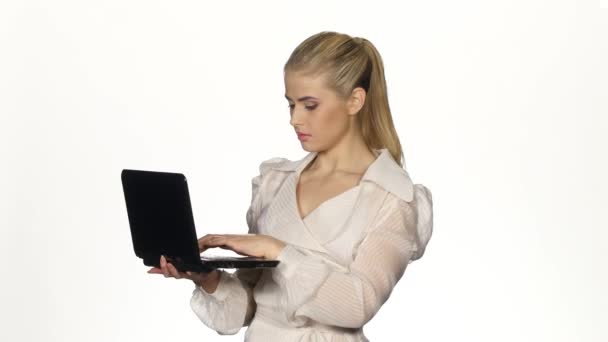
(303, 137)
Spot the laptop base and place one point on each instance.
(207, 264)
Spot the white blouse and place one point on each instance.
(340, 263)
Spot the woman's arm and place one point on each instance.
(209, 283)
(231, 306)
(315, 290)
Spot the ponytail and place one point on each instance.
(375, 118)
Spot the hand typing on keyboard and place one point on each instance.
(255, 245)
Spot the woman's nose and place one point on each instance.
(296, 117)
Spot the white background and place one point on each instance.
(500, 105)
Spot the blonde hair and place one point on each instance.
(348, 63)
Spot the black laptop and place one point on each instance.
(161, 221)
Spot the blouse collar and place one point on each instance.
(384, 171)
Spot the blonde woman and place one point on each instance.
(344, 221)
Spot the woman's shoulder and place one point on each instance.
(274, 163)
(283, 165)
(272, 171)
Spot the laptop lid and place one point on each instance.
(160, 215)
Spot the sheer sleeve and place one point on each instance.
(314, 290)
(232, 306)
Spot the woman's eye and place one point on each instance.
(311, 107)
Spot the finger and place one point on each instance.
(163, 264)
(206, 237)
(226, 240)
(209, 237)
(210, 241)
(202, 242)
(155, 270)
(173, 271)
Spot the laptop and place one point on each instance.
(161, 223)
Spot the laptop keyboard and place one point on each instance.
(218, 257)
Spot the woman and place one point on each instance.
(344, 221)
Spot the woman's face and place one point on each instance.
(316, 110)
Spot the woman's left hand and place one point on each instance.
(256, 245)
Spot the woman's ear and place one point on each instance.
(356, 100)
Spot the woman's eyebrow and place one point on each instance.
(304, 98)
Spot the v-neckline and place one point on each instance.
(303, 219)
(295, 193)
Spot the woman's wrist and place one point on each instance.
(278, 248)
(209, 281)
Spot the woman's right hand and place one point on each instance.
(208, 280)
